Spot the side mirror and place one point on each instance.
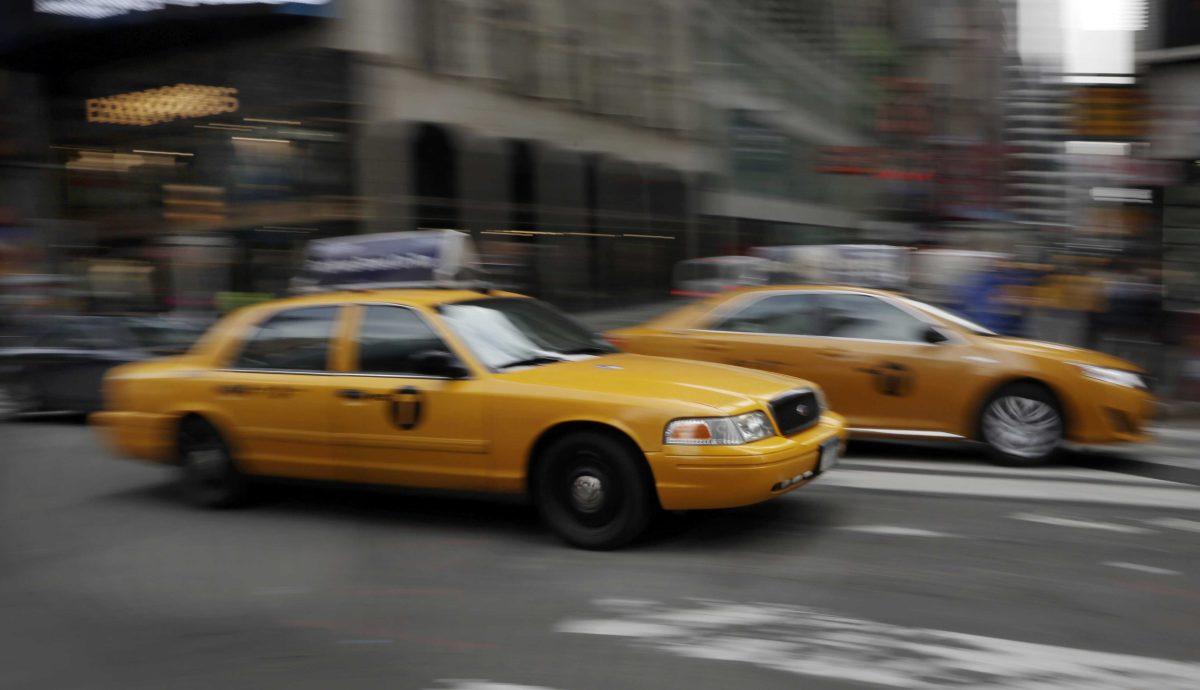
(440, 363)
(934, 336)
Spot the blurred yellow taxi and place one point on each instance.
(468, 390)
(898, 368)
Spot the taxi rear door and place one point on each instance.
(771, 331)
(274, 393)
(401, 413)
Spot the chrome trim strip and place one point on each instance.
(903, 433)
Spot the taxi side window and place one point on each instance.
(293, 340)
(869, 318)
(790, 314)
(391, 338)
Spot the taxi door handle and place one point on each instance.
(833, 353)
(350, 394)
(716, 347)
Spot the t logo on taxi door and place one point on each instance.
(893, 378)
(405, 408)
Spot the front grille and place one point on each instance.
(795, 412)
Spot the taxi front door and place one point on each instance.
(397, 422)
(879, 370)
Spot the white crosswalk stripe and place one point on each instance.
(1033, 484)
(1153, 570)
(951, 467)
(1081, 524)
(1177, 523)
(820, 644)
(895, 531)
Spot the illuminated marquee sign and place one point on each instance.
(155, 106)
(103, 9)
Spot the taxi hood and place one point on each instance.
(725, 389)
(1061, 353)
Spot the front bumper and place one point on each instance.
(703, 477)
(1104, 413)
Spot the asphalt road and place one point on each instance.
(904, 567)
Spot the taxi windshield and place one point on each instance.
(950, 316)
(506, 332)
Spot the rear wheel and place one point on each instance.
(592, 491)
(1022, 425)
(210, 477)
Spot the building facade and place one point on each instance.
(587, 145)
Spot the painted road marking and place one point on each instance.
(1177, 523)
(1082, 524)
(814, 643)
(896, 530)
(1175, 434)
(471, 684)
(1002, 472)
(1141, 568)
(1173, 496)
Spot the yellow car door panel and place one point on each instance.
(770, 332)
(275, 391)
(884, 372)
(395, 421)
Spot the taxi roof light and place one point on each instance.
(424, 259)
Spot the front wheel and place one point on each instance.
(1022, 425)
(210, 477)
(592, 491)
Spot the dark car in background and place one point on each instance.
(57, 363)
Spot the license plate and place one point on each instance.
(829, 455)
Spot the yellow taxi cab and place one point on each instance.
(899, 368)
(467, 390)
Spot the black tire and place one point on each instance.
(565, 484)
(210, 476)
(1010, 444)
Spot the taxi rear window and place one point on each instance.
(293, 340)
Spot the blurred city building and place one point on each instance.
(1037, 118)
(587, 145)
(1168, 60)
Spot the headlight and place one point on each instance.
(718, 431)
(1117, 377)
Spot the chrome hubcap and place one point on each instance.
(587, 493)
(1023, 427)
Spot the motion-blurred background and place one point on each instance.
(1034, 164)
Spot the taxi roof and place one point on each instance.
(809, 288)
(419, 297)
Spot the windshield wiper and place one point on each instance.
(531, 361)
